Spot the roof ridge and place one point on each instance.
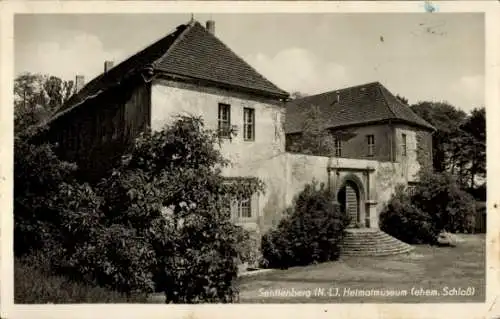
(189, 26)
(336, 90)
(381, 88)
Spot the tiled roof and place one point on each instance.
(201, 55)
(189, 51)
(367, 103)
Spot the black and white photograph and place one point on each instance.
(249, 158)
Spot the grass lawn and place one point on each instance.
(435, 269)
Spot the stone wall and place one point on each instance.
(287, 174)
(424, 148)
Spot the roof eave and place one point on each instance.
(180, 77)
(373, 122)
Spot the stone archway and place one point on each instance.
(350, 197)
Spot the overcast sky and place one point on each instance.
(438, 57)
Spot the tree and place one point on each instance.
(402, 99)
(161, 220)
(474, 129)
(37, 97)
(314, 138)
(297, 95)
(446, 119)
(459, 144)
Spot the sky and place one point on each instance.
(423, 57)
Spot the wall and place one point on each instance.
(419, 150)
(287, 174)
(98, 132)
(174, 98)
(424, 148)
(257, 158)
(355, 144)
(386, 178)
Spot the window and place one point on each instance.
(244, 208)
(371, 144)
(411, 188)
(403, 145)
(248, 124)
(224, 120)
(338, 147)
(241, 209)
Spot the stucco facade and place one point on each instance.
(169, 98)
(354, 144)
(286, 174)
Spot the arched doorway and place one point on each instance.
(348, 198)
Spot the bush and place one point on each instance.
(311, 232)
(171, 190)
(160, 221)
(437, 204)
(451, 208)
(38, 175)
(407, 222)
(249, 249)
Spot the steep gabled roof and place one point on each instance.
(190, 51)
(362, 104)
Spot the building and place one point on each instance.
(190, 71)
(367, 122)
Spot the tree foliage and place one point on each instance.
(37, 97)
(311, 231)
(437, 204)
(160, 221)
(314, 138)
(459, 144)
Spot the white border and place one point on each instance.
(479, 310)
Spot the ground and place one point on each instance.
(438, 270)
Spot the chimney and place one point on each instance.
(211, 26)
(79, 83)
(108, 65)
(338, 96)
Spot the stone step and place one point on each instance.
(372, 242)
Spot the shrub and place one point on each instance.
(249, 249)
(38, 174)
(160, 221)
(452, 209)
(407, 222)
(311, 232)
(437, 204)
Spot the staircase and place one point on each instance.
(372, 242)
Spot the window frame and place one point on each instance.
(404, 145)
(370, 139)
(248, 113)
(244, 208)
(224, 124)
(338, 146)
